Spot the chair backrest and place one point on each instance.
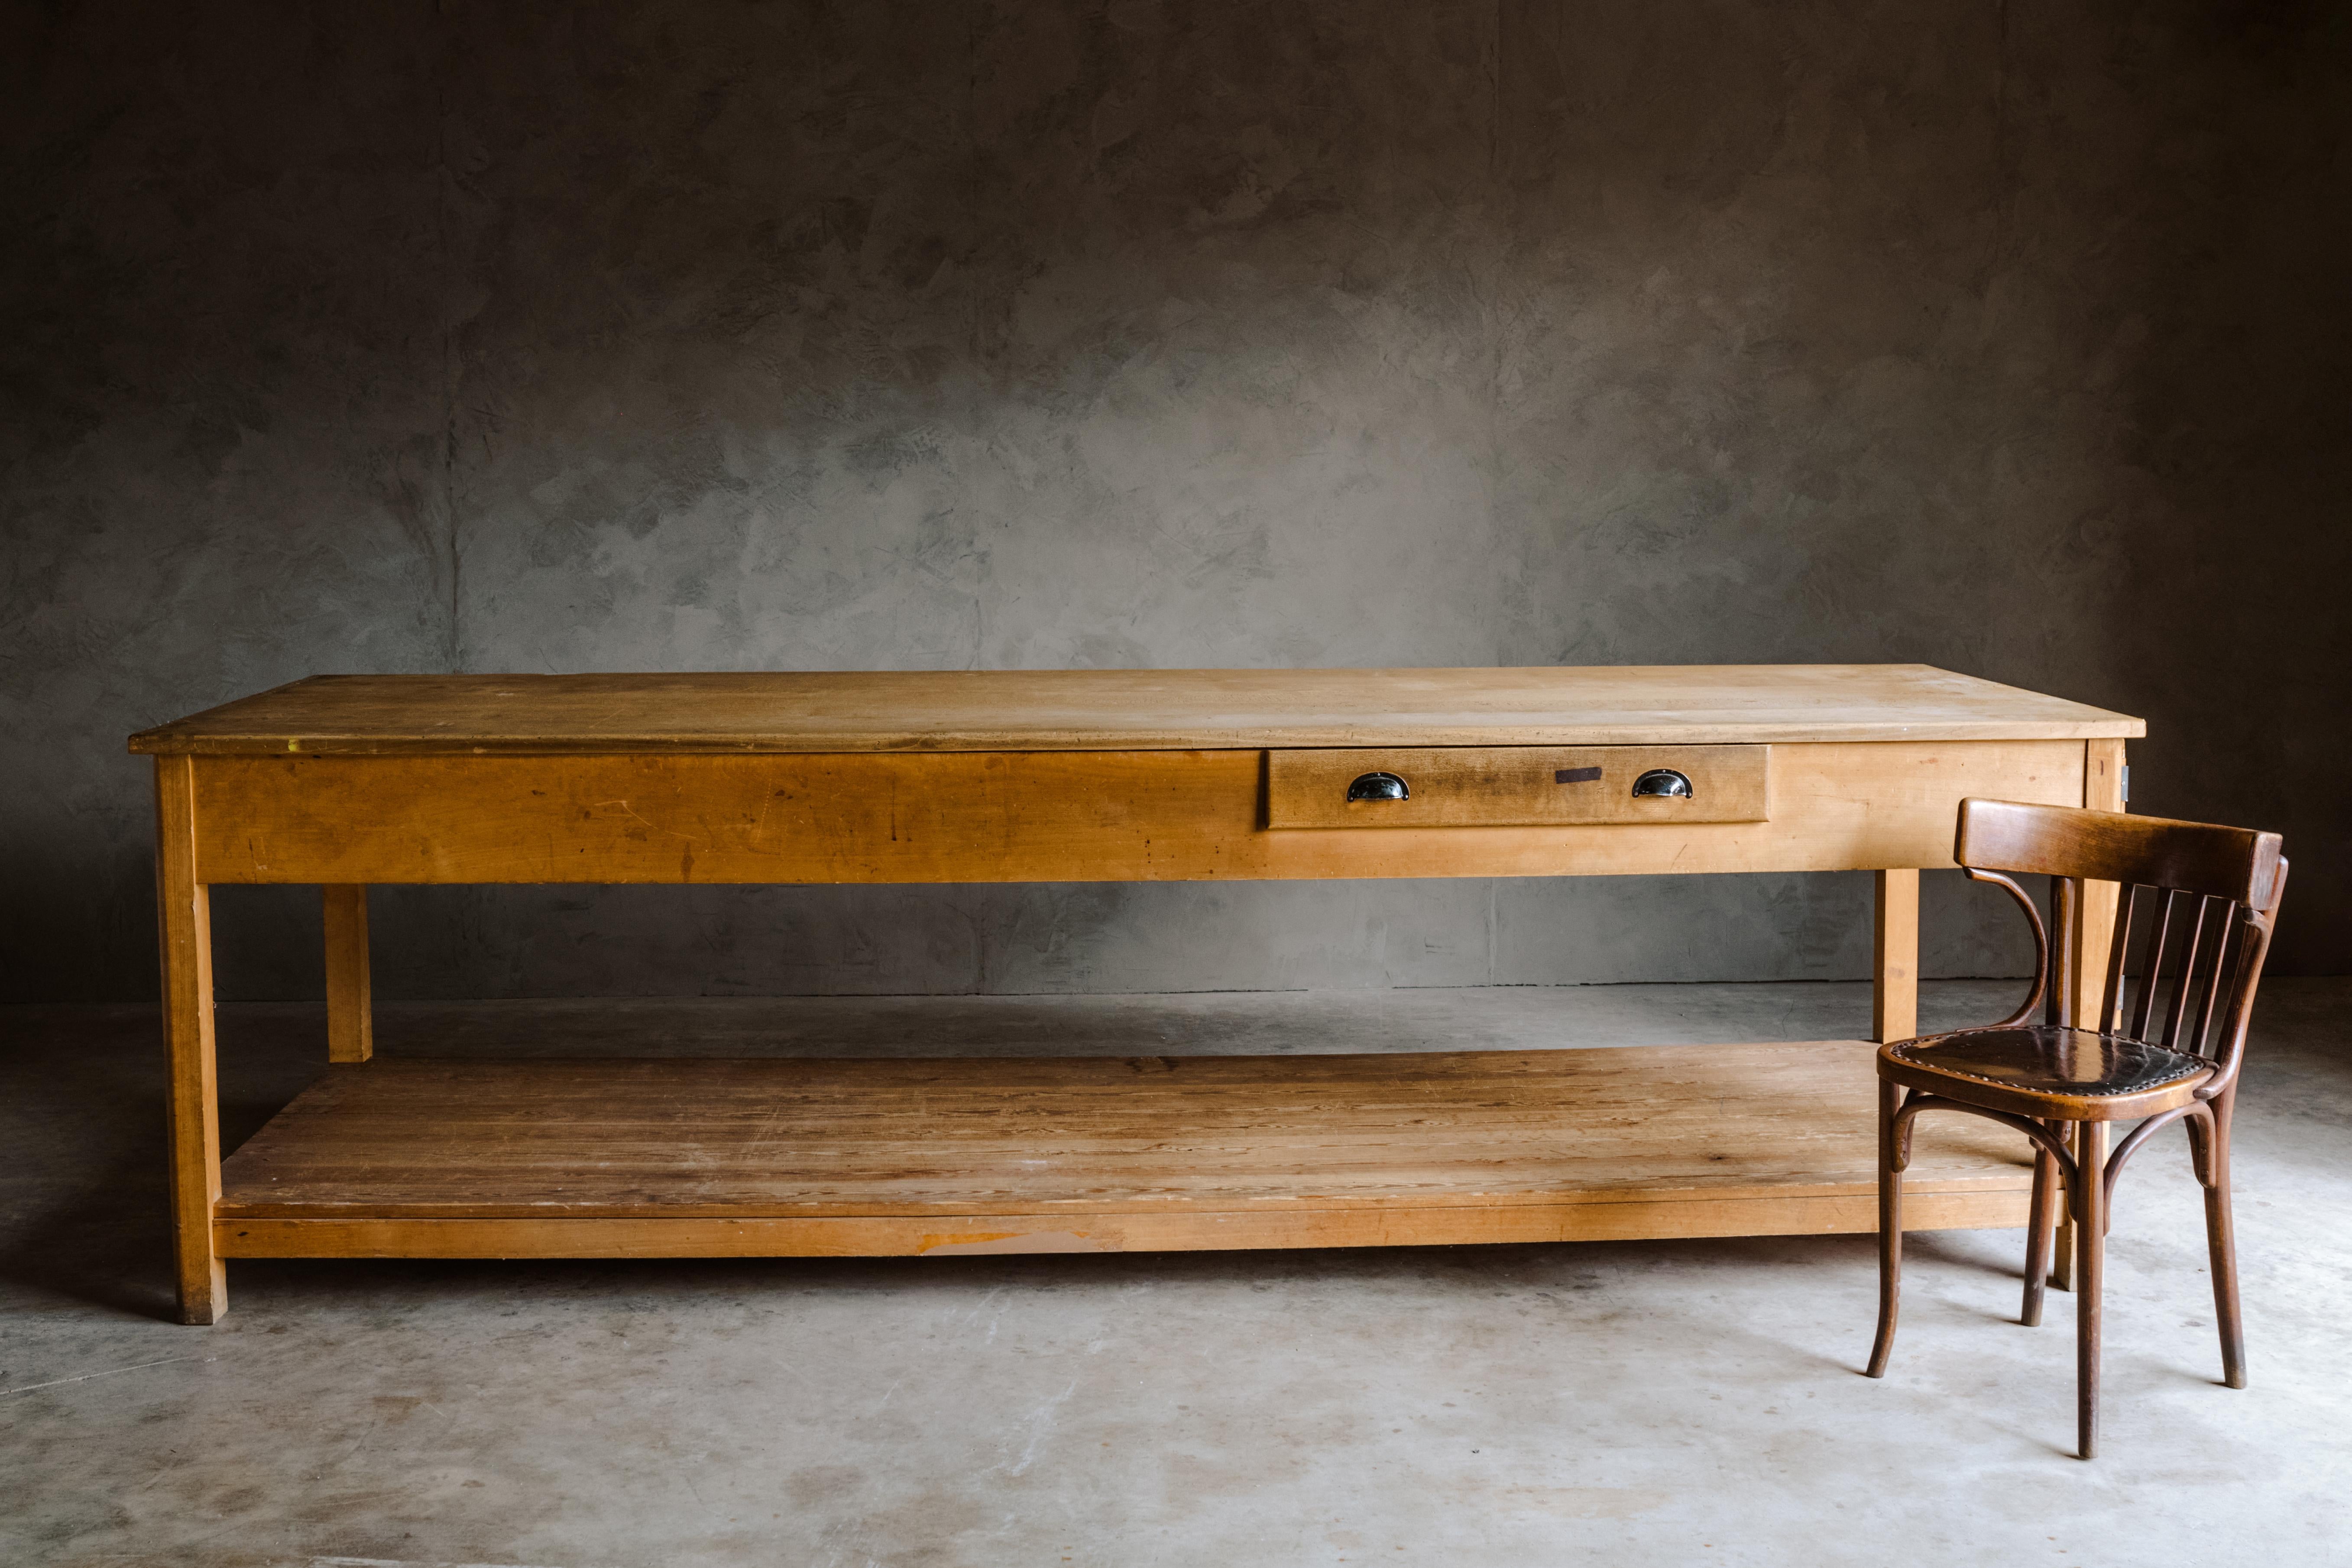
(2197, 904)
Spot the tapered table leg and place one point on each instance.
(351, 1019)
(2094, 929)
(1894, 958)
(185, 928)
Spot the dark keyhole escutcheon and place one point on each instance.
(1379, 786)
(1663, 782)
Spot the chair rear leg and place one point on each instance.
(2039, 1215)
(1890, 1228)
(2090, 1261)
(2222, 1241)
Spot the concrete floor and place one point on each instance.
(1652, 1402)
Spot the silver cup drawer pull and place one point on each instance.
(1383, 786)
(1663, 782)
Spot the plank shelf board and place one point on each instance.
(767, 1156)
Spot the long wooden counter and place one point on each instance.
(1072, 776)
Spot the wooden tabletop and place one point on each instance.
(1125, 709)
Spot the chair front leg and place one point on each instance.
(2040, 1215)
(2090, 1205)
(2209, 1142)
(1890, 1225)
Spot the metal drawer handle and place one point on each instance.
(1388, 786)
(1662, 781)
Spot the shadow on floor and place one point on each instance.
(86, 1196)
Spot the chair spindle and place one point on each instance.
(2184, 996)
(2221, 973)
(2155, 965)
(2111, 1010)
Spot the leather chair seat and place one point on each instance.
(2079, 1064)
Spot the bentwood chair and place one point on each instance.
(2209, 896)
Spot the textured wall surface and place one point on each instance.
(2011, 337)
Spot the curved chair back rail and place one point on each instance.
(2234, 863)
(2193, 919)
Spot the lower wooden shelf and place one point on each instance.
(421, 1158)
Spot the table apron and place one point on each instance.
(1022, 816)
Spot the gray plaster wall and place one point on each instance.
(2011, 336)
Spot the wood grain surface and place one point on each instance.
(1067, 1138)
(1118, 709)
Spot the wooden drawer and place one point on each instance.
(1502, 786)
